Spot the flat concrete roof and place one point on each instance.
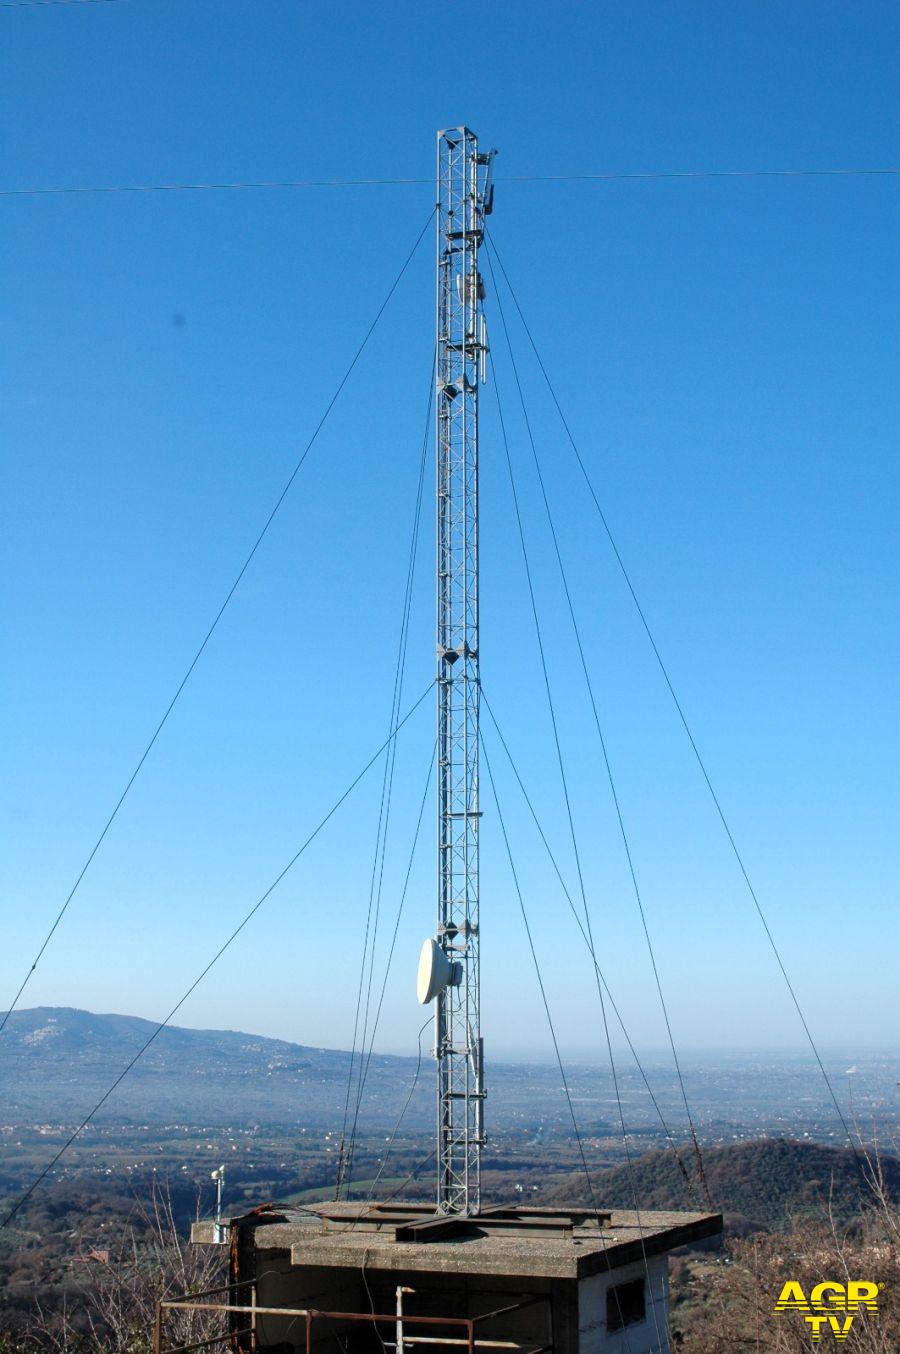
(520, 1243)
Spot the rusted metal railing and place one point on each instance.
(201, 1302)
(196, 1302)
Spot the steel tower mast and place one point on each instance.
(464, 198)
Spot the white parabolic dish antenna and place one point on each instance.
(435, 972)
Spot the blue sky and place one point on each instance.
(726, 354)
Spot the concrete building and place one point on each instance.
(536, 1281)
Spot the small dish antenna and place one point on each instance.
(435, 973)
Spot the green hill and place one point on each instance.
(767, 1181)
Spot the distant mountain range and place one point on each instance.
(54, 1035)
(55, 1060)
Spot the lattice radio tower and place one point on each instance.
(464, 199)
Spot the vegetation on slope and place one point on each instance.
(768, 1182)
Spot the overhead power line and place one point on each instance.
(213, 186)
(218, 616)
(397, 918)
(44, 4)
(614, 177)
(215, 959)
(559, 1061)
(373, 911)
(670, 1139)
(680, 710)
(564, 781)
(406, 1104)
(698, 1156)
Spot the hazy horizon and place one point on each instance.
(655, 1057)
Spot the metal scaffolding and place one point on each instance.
(463, 200)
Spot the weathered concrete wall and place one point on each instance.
(649, 1336)
(283, 1284)
(578, 1307)
(446, 1295)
